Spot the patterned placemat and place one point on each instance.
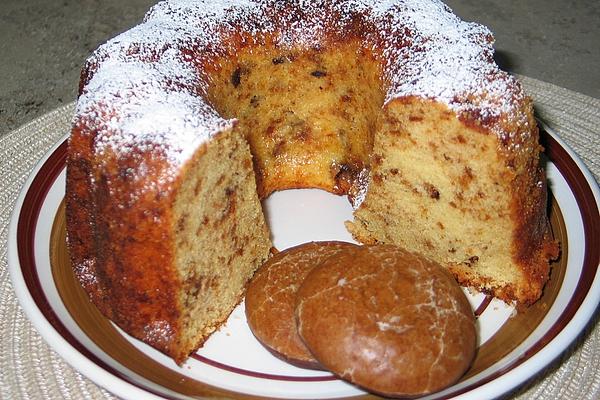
(31, 369)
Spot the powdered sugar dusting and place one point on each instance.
(429, 52)
(145, 91)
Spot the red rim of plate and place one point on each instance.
(50, 169)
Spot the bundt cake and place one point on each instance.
(186, 121)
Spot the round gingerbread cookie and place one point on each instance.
(387, 320)
(271, 297)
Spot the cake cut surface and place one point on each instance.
(461, 197)
(185, 122)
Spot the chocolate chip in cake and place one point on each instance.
(254, 101)
(278, 60)
(236, 77)
(432, 191)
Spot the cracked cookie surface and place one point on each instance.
(387, 320)
(271, 297)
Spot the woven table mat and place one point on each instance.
(30, 369)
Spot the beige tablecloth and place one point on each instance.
(30, 369)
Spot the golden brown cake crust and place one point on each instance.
(533, 245)
(387, 320)
(114, 239)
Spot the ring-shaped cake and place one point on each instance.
(186, 121)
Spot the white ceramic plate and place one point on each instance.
(513, 346)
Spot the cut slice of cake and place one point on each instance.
(175, 252)
(445, 186)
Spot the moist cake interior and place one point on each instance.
(309, 115)
(323, 109)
